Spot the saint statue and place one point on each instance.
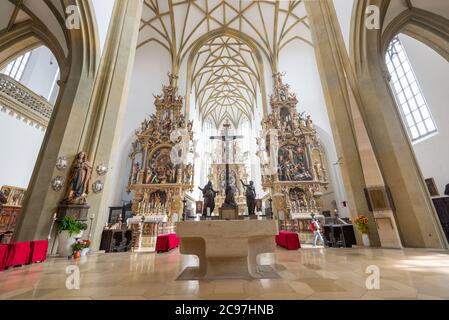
(230, 198)
(78, 186)
(209, 195)
(250, 197)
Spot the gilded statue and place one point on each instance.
(78, 186)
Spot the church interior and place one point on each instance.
(224, 149)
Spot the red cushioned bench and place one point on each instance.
(38, 251)
(18, 254)
(166, 242)
(288, 240)
(3, 256)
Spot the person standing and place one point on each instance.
(316, 229)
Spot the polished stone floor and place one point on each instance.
(305, 274)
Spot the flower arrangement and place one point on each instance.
(362, 224)
(80, 245)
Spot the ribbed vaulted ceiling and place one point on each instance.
(225, 77)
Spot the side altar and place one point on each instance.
(160, 173)
(292, 158)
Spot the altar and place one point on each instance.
(227, 249)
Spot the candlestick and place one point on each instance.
(52, 224)
(90, 227)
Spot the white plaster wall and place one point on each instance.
(103, 12)
(150, 72)
(432, 72)
(343, 8)
(21, 143)
(40, 72)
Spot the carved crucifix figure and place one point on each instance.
(226, 138)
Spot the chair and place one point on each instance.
(288, 240)
(38, 251)
(3, 256)
(18, 254)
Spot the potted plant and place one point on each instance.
(80, 248)
(69, 231)
(76, 248)
(362, 224)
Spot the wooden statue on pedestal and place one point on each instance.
(78, 188)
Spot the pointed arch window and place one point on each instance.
(16, 68)
(409, 96)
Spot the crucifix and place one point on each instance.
(226, 138)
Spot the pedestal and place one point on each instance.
(228, 212)
(80, 212)
(227, 249)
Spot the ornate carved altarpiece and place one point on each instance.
(292, 157)
(160, 175)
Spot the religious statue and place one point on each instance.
(309, 122)
(135, 173)
(250, 197)
(318, 170)
(229, 200)
(78, 186)
(209, 195)
(188, 173)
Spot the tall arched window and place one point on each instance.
(16, 68)
(409, 96)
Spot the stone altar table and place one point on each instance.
(227, 249)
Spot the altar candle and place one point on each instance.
(208, 211)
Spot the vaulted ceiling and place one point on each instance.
(27, 24)
(225, 76)
(439, 7)
(49, 14)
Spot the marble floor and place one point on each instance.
(305, 274)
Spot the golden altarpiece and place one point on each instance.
(292, 158)
(160, 175)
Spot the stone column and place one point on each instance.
(416, 217)
(333, 78)
(63, 134)
(109, 101)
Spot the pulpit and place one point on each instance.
(227, 249)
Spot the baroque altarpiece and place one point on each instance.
(160, 175)
(292, 157)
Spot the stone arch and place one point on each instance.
(417, 221)
(77, 53)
